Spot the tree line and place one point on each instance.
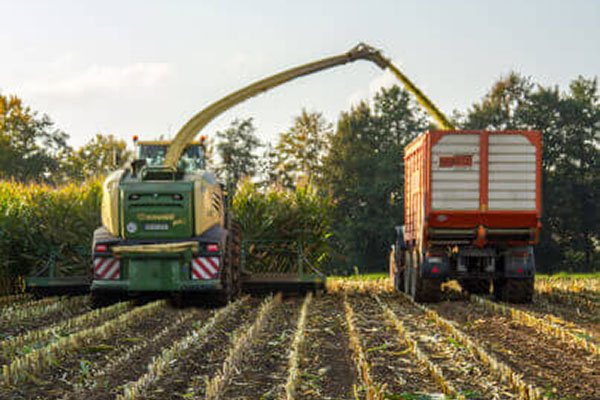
(358, 163)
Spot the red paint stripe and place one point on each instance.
(99, 266)
(201, 271)
(116, 274)
(213, 263)
(108, 268)
(207, 271)
(196, 274)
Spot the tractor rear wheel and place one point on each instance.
(514, 290)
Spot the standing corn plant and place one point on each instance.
(279, 225)
(40, 224)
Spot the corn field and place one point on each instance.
(279, 226)
(360, 341)
(42, 225)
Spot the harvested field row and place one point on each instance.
(11, 300)
(463, 370)
(40, 361)
(537, 357)
(193, 358)
(388, 363)
(18, 346)
(360, 341)
(544, 325)
(35, 314)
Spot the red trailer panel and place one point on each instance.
(473, 187)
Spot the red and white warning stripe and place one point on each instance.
(205, 267)
(107, 268)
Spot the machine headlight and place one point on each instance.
(132, 227)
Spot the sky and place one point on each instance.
(145, 67)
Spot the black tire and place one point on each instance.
(476, 285)
(424, 290)
(407, 275)
(514, 290)
(399, 281)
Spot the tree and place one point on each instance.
(364, 172)
(30, 145)
(236, 148)
(102, 154)
(300, 151)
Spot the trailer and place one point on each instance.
(472, 213)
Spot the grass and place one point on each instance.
(571, 275)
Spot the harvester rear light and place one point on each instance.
(212, 247)
(101, 248)
(435, 269)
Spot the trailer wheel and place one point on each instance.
(514, 290)
(476, 285)
(424, 290)
(407, 274)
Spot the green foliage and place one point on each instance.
(236, 147)
(98, 157)
(364, 172)
(279, 225)
(41, 224)
(300, 151)
(30, 145)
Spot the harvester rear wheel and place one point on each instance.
(514, 290)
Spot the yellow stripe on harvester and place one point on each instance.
(157, 248)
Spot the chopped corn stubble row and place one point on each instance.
(39, 308)
(240, 345)
(41, 359)
(541, 325)
(294, 355)
(413, 346)
(503, 372)
(14, 298)
(125, 357)
(10, 347)
(374, 390)
(164, 362)
(562, 295)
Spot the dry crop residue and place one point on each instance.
(359, 341)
